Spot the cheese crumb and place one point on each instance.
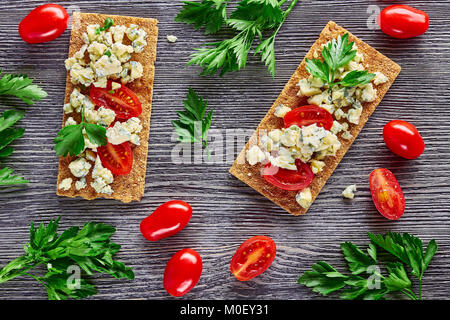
(349, 191)
(171, 38)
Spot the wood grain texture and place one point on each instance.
(226, 211)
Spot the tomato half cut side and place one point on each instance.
(123, 101)
(117, 158)
(253, 257)
(308, 115)
(387, 194)
(290, 180)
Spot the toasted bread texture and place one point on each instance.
(130, 187)
(251, 175)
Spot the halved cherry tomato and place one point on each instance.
(387, 194)
(182, 272)
(402, 22)
(403, 139)
(289, 179)
(44, 23)
(253, 257)
(117, 158)
(123, 101)
(307, 115)
(167, 220)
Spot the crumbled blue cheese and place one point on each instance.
(339, 114)
(337, 127)
(349, 192)
(66, 184)
(304, 198)
(354, 115)
(80, 167)
(346, 135)
(317, 166)
(131, 71)
(81, 75)
(102, 178)
(77, 101)
(290, 136)
(172, 38)
(122, 52)
(81, 184)
(268, 144)
(118, 33)
(255, 155)
(96, 50)
(306, 89)
(281, 111)
(380, 78)
(70, 122)
(275, 135)
(368, 94)
(125, 131)
(107, 66)
(137, 36)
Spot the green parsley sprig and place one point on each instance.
(21, 87)
(108, 24)
(86, 250)
(405, 248)
(250, 21)
(337, 53)
(194, 123)
(70, 139)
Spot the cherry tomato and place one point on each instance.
(117, 158)
(182, 272)
(403, 139)
(289, 179)
(387, 194)
(167, 220)
(401, 21)
(45, 23)
(307, 115)
(123, 101)
(253, 257)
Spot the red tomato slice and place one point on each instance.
(167, 220)
(401, 21)
(117, 158)
(308, 115)
(253, 257)
(289, 179)
(387, 194)
(123, 101)
(182, 272)
(403, 139)
(44, 23)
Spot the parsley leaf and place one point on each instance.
(194, 123)
(249, 20)
(337, 53)
(210, 14)
(21, 87)
(324, 279)
(69, 258)
(7, 178)
(108, 24)
(70, 139)
(7, 136)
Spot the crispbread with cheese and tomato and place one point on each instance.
(251, 175)
(129, 187)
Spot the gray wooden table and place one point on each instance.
(227, 212)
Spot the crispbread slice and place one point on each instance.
(130, 187)
(251, 175)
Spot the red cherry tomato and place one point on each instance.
(123, 101)
(308, 115)
(289, 179)
(401, 21)
(387, 194)
(167, 220)
(403, 139)
(253, 257)
(117, 158)
(45, 23)
(182, 272)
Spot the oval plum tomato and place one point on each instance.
(167, 220)
(403, 139)
(253, 257)
(123, 101)
(117, 158)
(307, 115)
(402, 22)
(387, 194)
(182, 272)
(44, 23)
(289, 179)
